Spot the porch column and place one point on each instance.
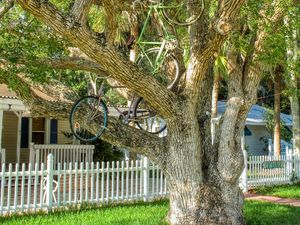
(1, 126)
(19, 114)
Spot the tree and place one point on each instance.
(203, 177)
(277, 93)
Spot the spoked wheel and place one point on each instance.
(84, 113)
(165, 68)
(147, 119)
(176, 11)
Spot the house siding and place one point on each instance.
(63, 127)
(9, 135)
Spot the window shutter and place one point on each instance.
(25, 132)
(53, 131)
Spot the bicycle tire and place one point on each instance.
(84, 111)
(168, 8)
(144, 116)
(146, 62)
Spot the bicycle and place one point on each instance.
(160, 60)
(92, 108)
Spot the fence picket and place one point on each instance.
(112, 180)
(107, 181)
(97, 182)
(102, 182)
(118, 179)
(92, 182)
(16, 187)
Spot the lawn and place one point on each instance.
(284, 191)
(256, 212)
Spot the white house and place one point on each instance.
(255, 128)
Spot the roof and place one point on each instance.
(6, 93)
(256, 115)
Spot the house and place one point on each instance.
(256, 135)
(18, 128)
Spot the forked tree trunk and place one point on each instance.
(198, 194)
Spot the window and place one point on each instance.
(38, 130)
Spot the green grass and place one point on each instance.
(256, 212)
(283, 191)
(133, 214)
(264, 213)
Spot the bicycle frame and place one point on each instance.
(166, 36)
(101, 95)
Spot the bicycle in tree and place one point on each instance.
(92, 109)
(158, 61)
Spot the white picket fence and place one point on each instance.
(269, 170)
(28, 189)
(34, 187)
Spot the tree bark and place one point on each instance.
(277, 96)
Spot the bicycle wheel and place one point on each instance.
(146, 118)
(175, 12)
(165, 68)
(85, 111)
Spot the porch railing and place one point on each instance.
(61, 153)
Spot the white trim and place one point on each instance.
(12, 104)
(47, 131)
(19, 115)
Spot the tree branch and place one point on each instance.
(8, 5)
(217, 33)
(43, 101)
(80, 10)
(116, 65)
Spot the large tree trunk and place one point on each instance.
(198, 192)
(277, 96)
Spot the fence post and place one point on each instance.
(244, 173)
(49, 182)
(146, 178)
